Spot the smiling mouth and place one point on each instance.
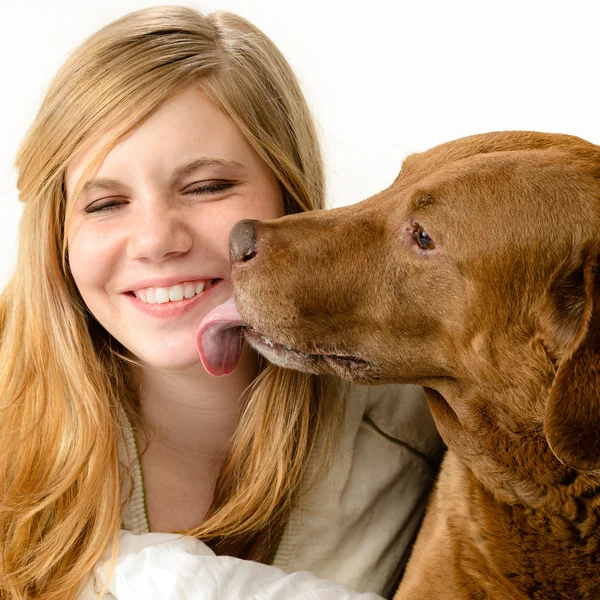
(272, 349)
(172, 294)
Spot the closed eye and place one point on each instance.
(104, 207)
(113, 204)
(210, 188)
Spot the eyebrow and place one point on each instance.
(202, 162)
(423, 199)
(108, 184)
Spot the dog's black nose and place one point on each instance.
(242, 241)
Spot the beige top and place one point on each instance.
(358, 526)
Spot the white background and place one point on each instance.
(384, 78)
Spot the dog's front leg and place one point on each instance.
(429, 571)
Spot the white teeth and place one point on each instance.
(162, 295)
(175, 293)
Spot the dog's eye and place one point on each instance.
(423, 240)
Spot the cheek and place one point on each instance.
(91, 260)
(272, 207)
(264, 204)
(270, 204)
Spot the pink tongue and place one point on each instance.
(219, 339)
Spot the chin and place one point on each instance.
(164, 359)
(172, 365)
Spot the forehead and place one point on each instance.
(507, 192)
(185, 128)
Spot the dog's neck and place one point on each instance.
(508, 454)
(522, 502)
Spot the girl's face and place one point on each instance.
(148, 240)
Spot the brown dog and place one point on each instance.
(475, 275)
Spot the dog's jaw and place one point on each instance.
(348, 367)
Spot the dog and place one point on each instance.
(477, 276)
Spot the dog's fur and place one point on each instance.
(499, 321)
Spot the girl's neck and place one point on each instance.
(187, 422)
(190, 412)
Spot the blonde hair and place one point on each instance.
(63, 380)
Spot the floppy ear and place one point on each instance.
(572, 319)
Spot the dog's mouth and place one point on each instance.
(318, 361)
(219, 340)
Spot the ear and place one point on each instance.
(571, 317)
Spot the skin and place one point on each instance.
(154, 225)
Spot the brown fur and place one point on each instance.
(500, 322)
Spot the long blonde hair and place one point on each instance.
(63, 380)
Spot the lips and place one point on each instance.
(261, 342)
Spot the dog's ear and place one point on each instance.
(571, 319)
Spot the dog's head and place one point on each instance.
(478, 266)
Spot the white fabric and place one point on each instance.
(163, 566)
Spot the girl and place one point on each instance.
(158, 134)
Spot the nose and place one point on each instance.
(242, 241)
(160, 234)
